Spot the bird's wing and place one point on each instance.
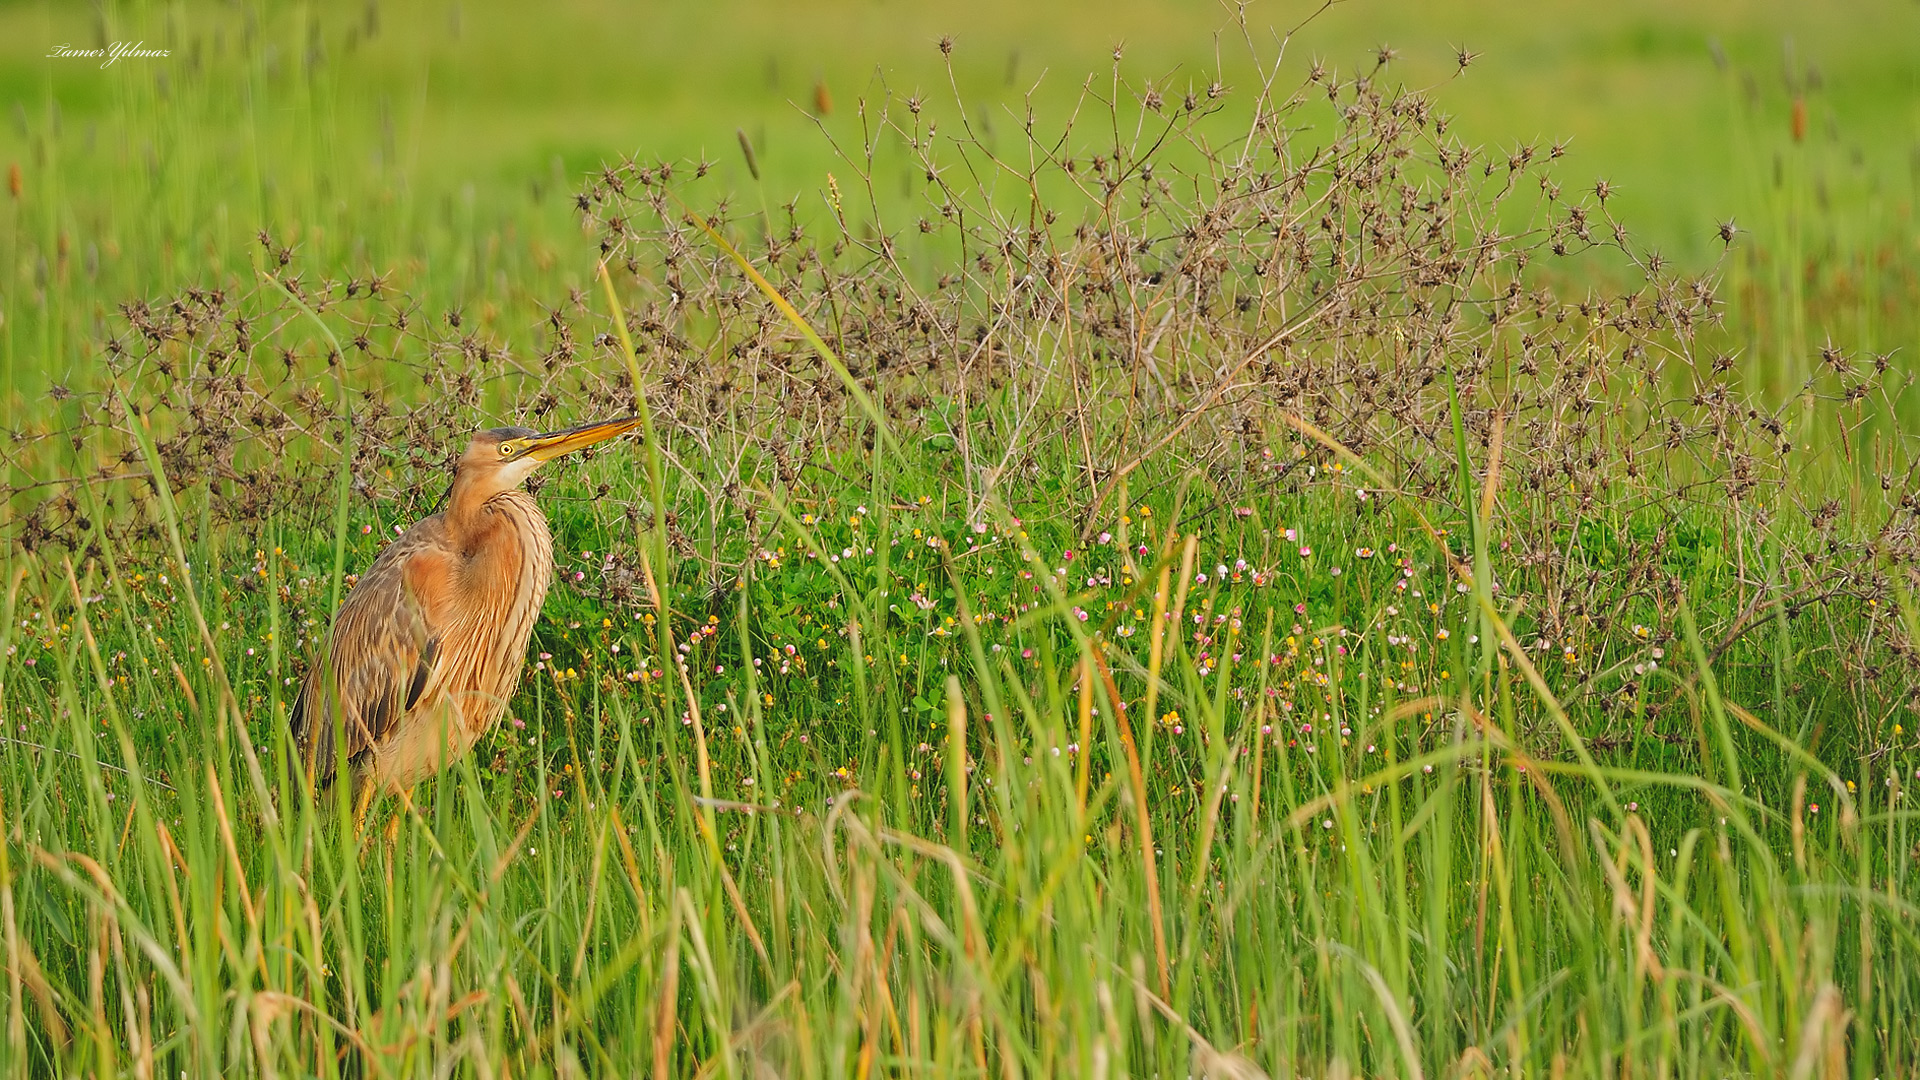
(381, 655)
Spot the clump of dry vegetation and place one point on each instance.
(1157, 291)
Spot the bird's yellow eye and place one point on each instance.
(508, 449)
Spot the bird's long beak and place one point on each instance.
(555, 443)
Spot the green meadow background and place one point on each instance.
(454, 134)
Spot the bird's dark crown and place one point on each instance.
(502, 434)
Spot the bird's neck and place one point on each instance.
(504, 538)
(466, 512)
(505, 572)
(476, 513)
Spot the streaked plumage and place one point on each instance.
(428, 647)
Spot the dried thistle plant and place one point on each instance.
(1143, 291)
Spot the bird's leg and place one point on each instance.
(392, 841)
(363, 795)
(393, 823)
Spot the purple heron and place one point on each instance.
(428, 647)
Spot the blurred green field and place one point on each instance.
(449, 137)
(1686, 106)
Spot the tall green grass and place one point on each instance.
(876, 728)
(1407, 888)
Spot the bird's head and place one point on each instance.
(499, 459)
